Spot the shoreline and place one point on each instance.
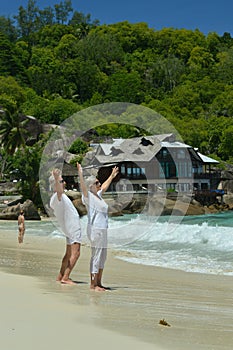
(198, 307)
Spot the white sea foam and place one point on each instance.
(197, 244)
(200, 247)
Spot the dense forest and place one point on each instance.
(57, 61)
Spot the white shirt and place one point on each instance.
(66, 215)
(97, 210)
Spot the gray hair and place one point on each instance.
(90, 181)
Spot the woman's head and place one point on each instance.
(94, 184)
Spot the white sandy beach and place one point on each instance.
(38, 312)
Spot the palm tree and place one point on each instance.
(12, 134)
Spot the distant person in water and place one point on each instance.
(69, 222)
(21, 226)
(97, 212)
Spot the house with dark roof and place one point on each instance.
(155, 163)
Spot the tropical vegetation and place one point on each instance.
(57, 61)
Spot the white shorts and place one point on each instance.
(76, 238)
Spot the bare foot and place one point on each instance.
(98, 289)
(59, 277)
(105, 288)
(69, 281)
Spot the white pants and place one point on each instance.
(97, 236)
(98, 258)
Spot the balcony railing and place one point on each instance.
(212, 175)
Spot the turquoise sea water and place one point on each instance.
(201, 244)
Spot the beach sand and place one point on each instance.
(37, 312)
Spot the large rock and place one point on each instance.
(8, 188)
(80, 206)
(228, 199)
(156, 205)
(12, 212)
(33, 128)
(76, 199)
(30, 210)
(159, 205)
(227, 180)
(227, 186)
(227, 174)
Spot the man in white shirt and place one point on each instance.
(69, 222)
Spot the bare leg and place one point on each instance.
(74, 255)
(94, 286)
(99, 278)
(64, 263)
(20, 235)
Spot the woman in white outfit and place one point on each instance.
(69, 222)
(97, 226)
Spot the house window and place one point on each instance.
(181, 154)
(136, 187)
(197, 170)
(184, 170)
(132, 171)
(164, 152)
(165, 170)
(123, 169)
(171, 170)
(162, 170)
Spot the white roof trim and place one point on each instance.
(206, 159)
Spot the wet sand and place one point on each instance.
(38, 312)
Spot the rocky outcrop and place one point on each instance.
(120, 204)
(227, 179)
(76, 198)
(228, 199)
(33, 128)
(181, 206)
(8, 188)
(11, 212)
(156, 205)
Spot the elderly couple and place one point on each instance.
(68, 219)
